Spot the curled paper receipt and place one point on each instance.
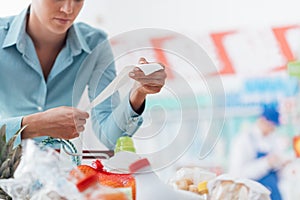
(121, 80)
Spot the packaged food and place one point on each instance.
(91, 189)
(122, 182)
(203, 190)
(191, 178)
(225, 187)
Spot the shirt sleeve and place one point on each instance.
(12, 126)
(112, 118)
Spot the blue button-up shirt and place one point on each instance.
(85, 60)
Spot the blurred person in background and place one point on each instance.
(257, 154)
(46, 62)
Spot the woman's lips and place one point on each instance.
(62, 20)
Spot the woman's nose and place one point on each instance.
(67, 7)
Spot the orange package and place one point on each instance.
(105, 178)
(297, 145)
(91, 189)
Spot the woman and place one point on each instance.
(46, 63)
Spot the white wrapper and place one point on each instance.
(225, 187)
(40, 175)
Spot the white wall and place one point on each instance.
(179, 15)
(189, 15)
(12, 7)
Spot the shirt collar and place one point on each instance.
(16, 28)
(77, 41)
(17, 31)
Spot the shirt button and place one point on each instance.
(135, 119)
(39, 108)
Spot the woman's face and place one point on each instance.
(57, 16)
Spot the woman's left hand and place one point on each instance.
(144, 85)
(151, 83)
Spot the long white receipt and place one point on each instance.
(121, 80)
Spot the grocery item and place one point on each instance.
(225, 187)
(81, 172)
(203, 190)
(41, 178)
(150, 187)
(124, 155)
(124, 143)
(9, 157)
(105, 178)
(192, 179)
(92, 190)
(183, 184)
(296, 144)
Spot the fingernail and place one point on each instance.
(131, 74)
(136, 69)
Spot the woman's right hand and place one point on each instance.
(61, 122)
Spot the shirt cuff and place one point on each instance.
(132, 120)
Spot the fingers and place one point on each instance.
(152, 89)
(161, 64)
(80, 120)
(80, 128)
(143, 60)
(80, 125)
(62, 122)
(69, 136)
(144, 81)
(151, 83)
(138, 72)
(76, 134)
(155, 79)
(79, 114)
(73, 133)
